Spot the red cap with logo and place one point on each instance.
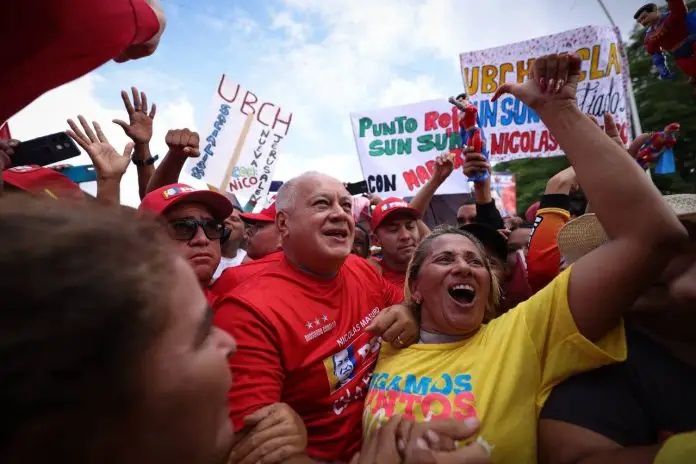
(267, 214)
(160, 200)
(389, 206)
(42, 181)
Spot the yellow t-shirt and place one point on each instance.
(679, 449)
(502, 375)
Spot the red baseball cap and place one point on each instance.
(389, 206)
(160, 200)
(42, 181)
(267, 214)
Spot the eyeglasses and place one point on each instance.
(186, 229)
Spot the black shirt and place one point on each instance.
(638, 402)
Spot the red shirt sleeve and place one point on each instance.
(256, 367)
(543, 257)
(677, 9)
(392, 293)
(68, 39)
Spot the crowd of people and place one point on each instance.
(334, 328)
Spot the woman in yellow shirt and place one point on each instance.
(502, 371)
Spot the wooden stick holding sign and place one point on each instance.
(236, 154)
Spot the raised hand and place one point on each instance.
(554, 78)
(140, 128)
(613, 132)
(107, 162)
(183, 142)
(475, 163)
(444, 165)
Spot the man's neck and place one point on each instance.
(230, 250)
(321, 273)
(394, 266)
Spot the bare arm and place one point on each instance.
(443, 168)
(110, 166)
(183, 144)
(145, 173)
(139, 130)
(564, 443)
(619, 192)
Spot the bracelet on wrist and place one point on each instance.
(148, 162)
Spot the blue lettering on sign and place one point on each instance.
(198, 170)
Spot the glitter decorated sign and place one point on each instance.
(512, 129)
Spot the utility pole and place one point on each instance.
(631, 99)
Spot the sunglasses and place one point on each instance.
(186, 229)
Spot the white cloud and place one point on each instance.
(49, 113)
(402, 91)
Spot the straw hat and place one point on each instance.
(585, 233)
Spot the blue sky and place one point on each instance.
(320, 59)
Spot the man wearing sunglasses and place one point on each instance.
(195, 221)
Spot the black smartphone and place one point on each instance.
(45, 150)
(357, 188)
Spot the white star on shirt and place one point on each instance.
(324, 318)
(309, 324)
(316, 321)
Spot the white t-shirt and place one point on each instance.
(229, 262)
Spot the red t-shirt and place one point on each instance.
(233, 276)
(395, 277)
(49, 43)
(301, 340)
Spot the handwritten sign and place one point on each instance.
(242, 142)
(397, 147)
(513, 130)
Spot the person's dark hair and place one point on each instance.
(423, 250)
(367, 236)
(461, 95)
(82, 301)
(648, 7)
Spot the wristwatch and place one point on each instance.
(148, 162)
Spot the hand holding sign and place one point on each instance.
(183, 142)
(475, 162)
(553, 79)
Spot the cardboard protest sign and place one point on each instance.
(512, 129)
(397, 147)
(240, 144)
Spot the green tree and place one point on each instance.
(659, 103)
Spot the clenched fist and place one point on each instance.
(183, 142)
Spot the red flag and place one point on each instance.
(5, 132)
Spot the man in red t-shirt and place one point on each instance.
(195, 221)
(261, 235)
(48, 43)
(263, 247)
(301, 324)
(394, 227)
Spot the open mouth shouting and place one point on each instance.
(463, 294)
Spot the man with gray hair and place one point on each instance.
(308, 327)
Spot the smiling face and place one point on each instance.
(398, 237)
(318, 229)
(453, 286)
(202, 253)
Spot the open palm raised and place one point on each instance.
(107, 162)
(554, 78)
